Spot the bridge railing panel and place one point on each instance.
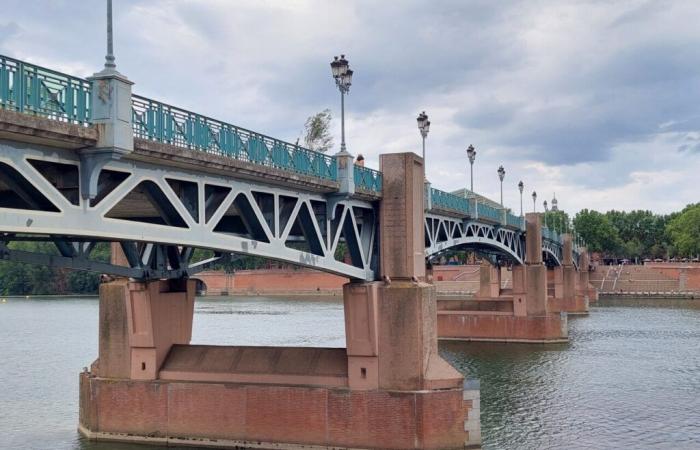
(160, 122)
(368, 179)
(551, 235)
(489, 212)
(31, 89)
(514, 221)
(445, 200)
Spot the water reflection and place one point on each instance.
(629, 378)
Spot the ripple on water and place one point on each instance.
(629, 378)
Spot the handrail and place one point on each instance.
(513, 221)
(367, 179)
(489, 212)
(445, 200)
(164, 123)
(32, 89)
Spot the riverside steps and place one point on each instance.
(389, 388)
(519, 315)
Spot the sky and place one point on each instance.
(596, 101)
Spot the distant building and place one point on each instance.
(555, 203)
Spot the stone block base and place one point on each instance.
(500, 327)
(248, 415)
(577, 304)
(592, 294)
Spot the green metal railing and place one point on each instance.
(368, 179)
(445, 200)
(488, 212)
(551, 235)
(159, 122)
(31, 89)
(514, 221)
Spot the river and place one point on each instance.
(629, 378)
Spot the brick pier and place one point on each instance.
(388, 389)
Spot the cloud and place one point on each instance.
(577, 97)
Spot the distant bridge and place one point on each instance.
(195, 182)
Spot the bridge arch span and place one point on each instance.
(443, 233)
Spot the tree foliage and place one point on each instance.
(28, 279)
(684, 231)
(597, 231)
(317, 134)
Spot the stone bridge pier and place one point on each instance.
(388, 389)
(568, 295)
(584, 277)
(521, 314)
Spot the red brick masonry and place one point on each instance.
(263, 416)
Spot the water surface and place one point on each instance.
(629, 378)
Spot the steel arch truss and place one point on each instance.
(160, 214)
(442, 233)
(552, 252)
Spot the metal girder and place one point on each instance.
(233, 216)
(443, 232)
(83, 262)
(552, 251)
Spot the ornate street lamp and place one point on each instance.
(545, 213)
(501, 175)
(423, 127)
(471, 154)
(534, 201)
(521, 186)
(340, 68)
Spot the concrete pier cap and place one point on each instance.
(388, 389)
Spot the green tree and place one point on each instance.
(595, 228)
(557, 220)
(684, 231)
(317, 134)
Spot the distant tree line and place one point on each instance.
(618, 234)
(641, 234)
(29, 279)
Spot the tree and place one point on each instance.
(684, 231)
(595, 228)
(317, 131)
(557, 220)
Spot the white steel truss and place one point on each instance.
(159, 214)
(443, 232)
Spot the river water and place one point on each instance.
(629, 378)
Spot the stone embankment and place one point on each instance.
(450, 281)
(663, 280)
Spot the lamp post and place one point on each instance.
(340, 68)
(423, 127)
(545, 213)
(521, 186)
(534, 201)
(501, 175)
(471, 154)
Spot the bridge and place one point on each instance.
(85, 161)
(195, 182)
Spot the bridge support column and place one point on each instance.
(489, 280)
(529, 319)
(573, 300)
(389, 389)
(558, 281)
(584, 276)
